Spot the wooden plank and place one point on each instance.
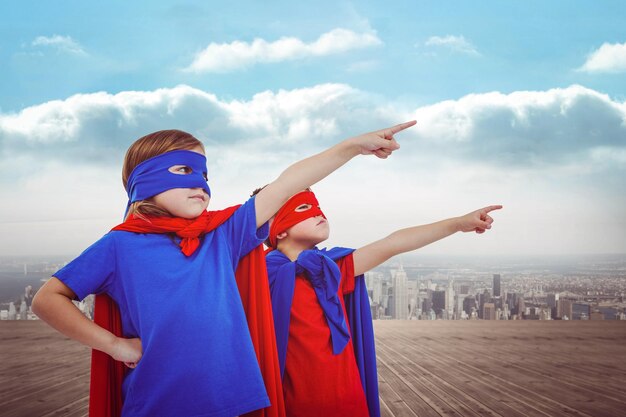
(393, 392)
(429, 386)
(465, 390)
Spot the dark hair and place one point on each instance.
(258, 190)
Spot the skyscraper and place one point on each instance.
(23, 310)
(459, 313)
(374, 285)
(469, 303)
(12, 311)
(450, 300)
(439, 302)
(496, 285)
(564, 309)
(521, 306)
(427, 306)
(400, 297)
(489, 311)
(412, 298)
(28, 295)
(483, 298)
(552, 300)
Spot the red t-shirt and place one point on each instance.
(316, 382)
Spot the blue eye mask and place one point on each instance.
(152, 176)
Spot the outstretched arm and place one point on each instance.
(308, 171)
(412, 238)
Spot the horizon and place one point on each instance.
(412, 257)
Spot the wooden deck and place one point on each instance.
(438, 368)
(494, 368)
(42, 373)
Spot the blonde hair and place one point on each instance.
(148, 147)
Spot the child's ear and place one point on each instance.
(281, 235)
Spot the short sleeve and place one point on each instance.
(92, 271)
(241, 231)
(346, 266)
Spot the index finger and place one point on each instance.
(491, 208)
(398, 128)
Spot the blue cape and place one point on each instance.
(282, 278)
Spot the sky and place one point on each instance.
(519, 103)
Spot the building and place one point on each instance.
(483, 298)
(412, 295)
(489, 311)
(521, 306)
(23, 310)
(552, 301)
(374, 282)
(581, 311)
(439, 302)
(565, 309)
(400, 294)
(497, 290)
(469, 304)
(427, 307)
(450, 301)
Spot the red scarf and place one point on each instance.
(251, 276)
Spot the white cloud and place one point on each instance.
(524, 128)
(61, 43)
(454, 43)
(610, 154)
(608, 58)
(553, 158)
(98, 127)
(223, 57)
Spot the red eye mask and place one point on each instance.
(287, 216)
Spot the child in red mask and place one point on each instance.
(320, 304)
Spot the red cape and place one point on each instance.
(107, 374)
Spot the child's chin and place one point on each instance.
(321, 240)
(192, 215)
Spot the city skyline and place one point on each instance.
(517, 103)
(589, 289)
(585, 292)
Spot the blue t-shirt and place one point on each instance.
(198, 359)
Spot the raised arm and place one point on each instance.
(308, 171)
(53, 304)
(412, 238)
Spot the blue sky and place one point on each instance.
(521, 103)
(529, 45)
